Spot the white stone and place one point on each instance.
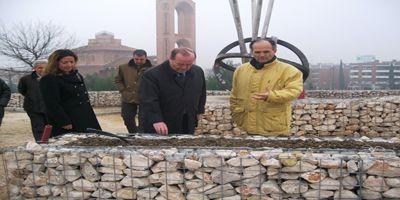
(135, 182)
(195, 195)
(171, 192)
(195, 183)
(222, 177)
(270, 187)
(165, 166)
(393, 182)
(368, 194)
(338, 172)
(102, 194)
(72, 175)
(392, 193)
(272, 162)
(300, 167)
(71, 159)
(111, 186)
(139, 162)
(136, 173)
(253, 171)
(326, 184)
(352, 166)
(376, 184)
(55, 177)
(219, 189)
(213, 161)
(242, 162)
(315, 194)
(44, 191)
(349, 182)
(206, 177)
(110, 170)
(125, 193)
(225, 153)
(111, 161)
(345, 194)
(192, 165)
(89, 172)
(78, 195)
(147, 193)
(315, 176)
(328, 163)
(32, 146)
(111, 177)
(294, 186)
(84, 185)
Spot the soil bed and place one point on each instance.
(233, 143)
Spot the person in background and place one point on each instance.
(262, 91)
(5, 94)
(28, 86)
(127, 81)
(65, 96)
(173, 95)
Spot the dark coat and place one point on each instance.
(163, 98)
(5, 93)
(127, 80)
(67, 102)
(28, 86)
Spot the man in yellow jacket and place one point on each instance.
(262, 91)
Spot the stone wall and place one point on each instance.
(168, 173)
(350, 94)
(112, 98)
(352, 117)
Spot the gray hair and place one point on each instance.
(39, 62)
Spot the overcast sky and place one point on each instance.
(325, 30)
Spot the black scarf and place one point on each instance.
(258, 65)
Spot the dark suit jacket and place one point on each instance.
(164, 98)
(28, 86)
(67, 102)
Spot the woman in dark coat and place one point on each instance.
(65, 96)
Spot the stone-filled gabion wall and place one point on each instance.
(352, 117)
(112, 98)
(170, 173)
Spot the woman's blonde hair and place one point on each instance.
(54, 59)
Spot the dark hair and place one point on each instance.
(185, 51)
(270, 40)
(140, 52)
(55, 57)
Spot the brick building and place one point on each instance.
(326, 77)
(375, 75)
(104, 52)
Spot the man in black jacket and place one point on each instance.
(28, 86)
(5, 94)
(173, 95)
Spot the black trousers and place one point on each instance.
(1, 114)
(38, 121)
(128, 113)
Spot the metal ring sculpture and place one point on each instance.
(223, 54)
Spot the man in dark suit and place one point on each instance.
(173, 95)
(5, 94)
(28, 86)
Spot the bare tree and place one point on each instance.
(26, 43)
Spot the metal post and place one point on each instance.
(256, 15)
(267, 19)
(238, 24)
